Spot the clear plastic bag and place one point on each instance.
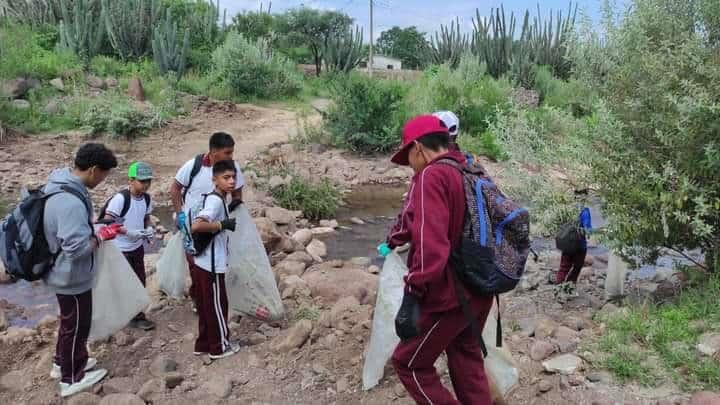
(173, 268)
(118, 295)
(383, 338)
(615, 279)
(250, 281)
(500, 368)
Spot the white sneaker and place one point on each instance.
(91, 378)
(55, 373)
(233, 349)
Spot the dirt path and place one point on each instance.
(326, 367)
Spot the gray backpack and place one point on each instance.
(23, 246)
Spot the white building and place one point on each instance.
(382, 62)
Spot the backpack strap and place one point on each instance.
(197, 165)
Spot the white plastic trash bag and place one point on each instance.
(173, 268)
(250, 281)
(500, 368)
(118, 295)
(383, 338)
(615, 279)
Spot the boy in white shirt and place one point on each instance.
(210, 239)
(132, 208)
(195, 179)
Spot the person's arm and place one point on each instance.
(75, 236)
(430, 233)
(209, 219)
(202, 225)
(176, 191)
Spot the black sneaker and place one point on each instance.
(143, 324)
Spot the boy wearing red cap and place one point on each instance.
(430, 320)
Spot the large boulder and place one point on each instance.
(317, 249)
(331, 284)
(709, 344)
(290, 268)
(17, 88)
(268, 232)
(302, 257)
(58, 84)
(564, 364)
(541, 350)
(96, 82)
(281, 216)
(303, 236)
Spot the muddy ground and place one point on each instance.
(315, 356)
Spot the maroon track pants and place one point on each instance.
(212, 306)
(71, 350)
(193, 290)
(136, 259)
(570, 266)
(448, 332)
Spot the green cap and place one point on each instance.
(140, 171)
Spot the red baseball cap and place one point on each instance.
(415, 129)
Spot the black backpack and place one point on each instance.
(23, 245)
(569, 238)
(197, 165)
(127, 198)
(201, 241)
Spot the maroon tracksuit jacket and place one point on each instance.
(433, 220)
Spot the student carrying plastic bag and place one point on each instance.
(173, 268)
(117, 296)
(249, 279)
(500, 368)
(383, 338)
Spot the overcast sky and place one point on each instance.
(427, 15)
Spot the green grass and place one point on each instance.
(668, 332)
(316, 200)
(309, 313)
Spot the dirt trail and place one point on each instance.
(326, 369)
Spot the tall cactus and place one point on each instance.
(206, 22)
(170, 55)
(550, 42)
(449, 44)
(343, 51)
(81, 30)
(493, 40)
(32, 12)
(129, 24)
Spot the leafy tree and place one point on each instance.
(254, 25)
(658, 165)
(407, 44)
(312, 28)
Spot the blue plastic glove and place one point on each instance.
(384, 249)
(180, 220)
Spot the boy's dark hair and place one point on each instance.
(95, 154)
(435, 141)
(224, 166)
(221, 140)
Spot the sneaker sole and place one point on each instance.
(57, 376)
(78, 389)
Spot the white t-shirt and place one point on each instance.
(202, 184)
(214, 211)
(134, 219)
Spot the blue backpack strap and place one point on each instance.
(507, 220)
(482, 210)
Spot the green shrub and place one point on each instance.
(22, 53)
(573, 95)
(118, 118)
(251, 70)
(485, 144)
(315, 200)
(363, 115)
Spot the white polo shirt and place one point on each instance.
(202, 184)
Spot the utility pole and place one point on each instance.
(370, 59)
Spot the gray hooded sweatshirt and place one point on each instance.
(67, 228)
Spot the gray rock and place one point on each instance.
(15, 88)
(268, 330)
(173, 379)
(360, 261)
(149, 389)
(21, 104)
(288, 268)
(123, 339)
(295, 337)
(293, 286)
(302, 257)
(709, 344)
(268, 232)
(329, 223)
(374, 269)
(52, 107)
(119, 385)
(317, 249)
(357, 221)
(95, 82)
(256, 338)
(544, 386)
(162, 365)
(281, 216)
(322, 230)
(219, 387)
(544, 328)
(122, 399)
(84, 398)
(58, 84)
(303, 236)
(565, 364)
(527, 326)
(541, 350)
(599, 377)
